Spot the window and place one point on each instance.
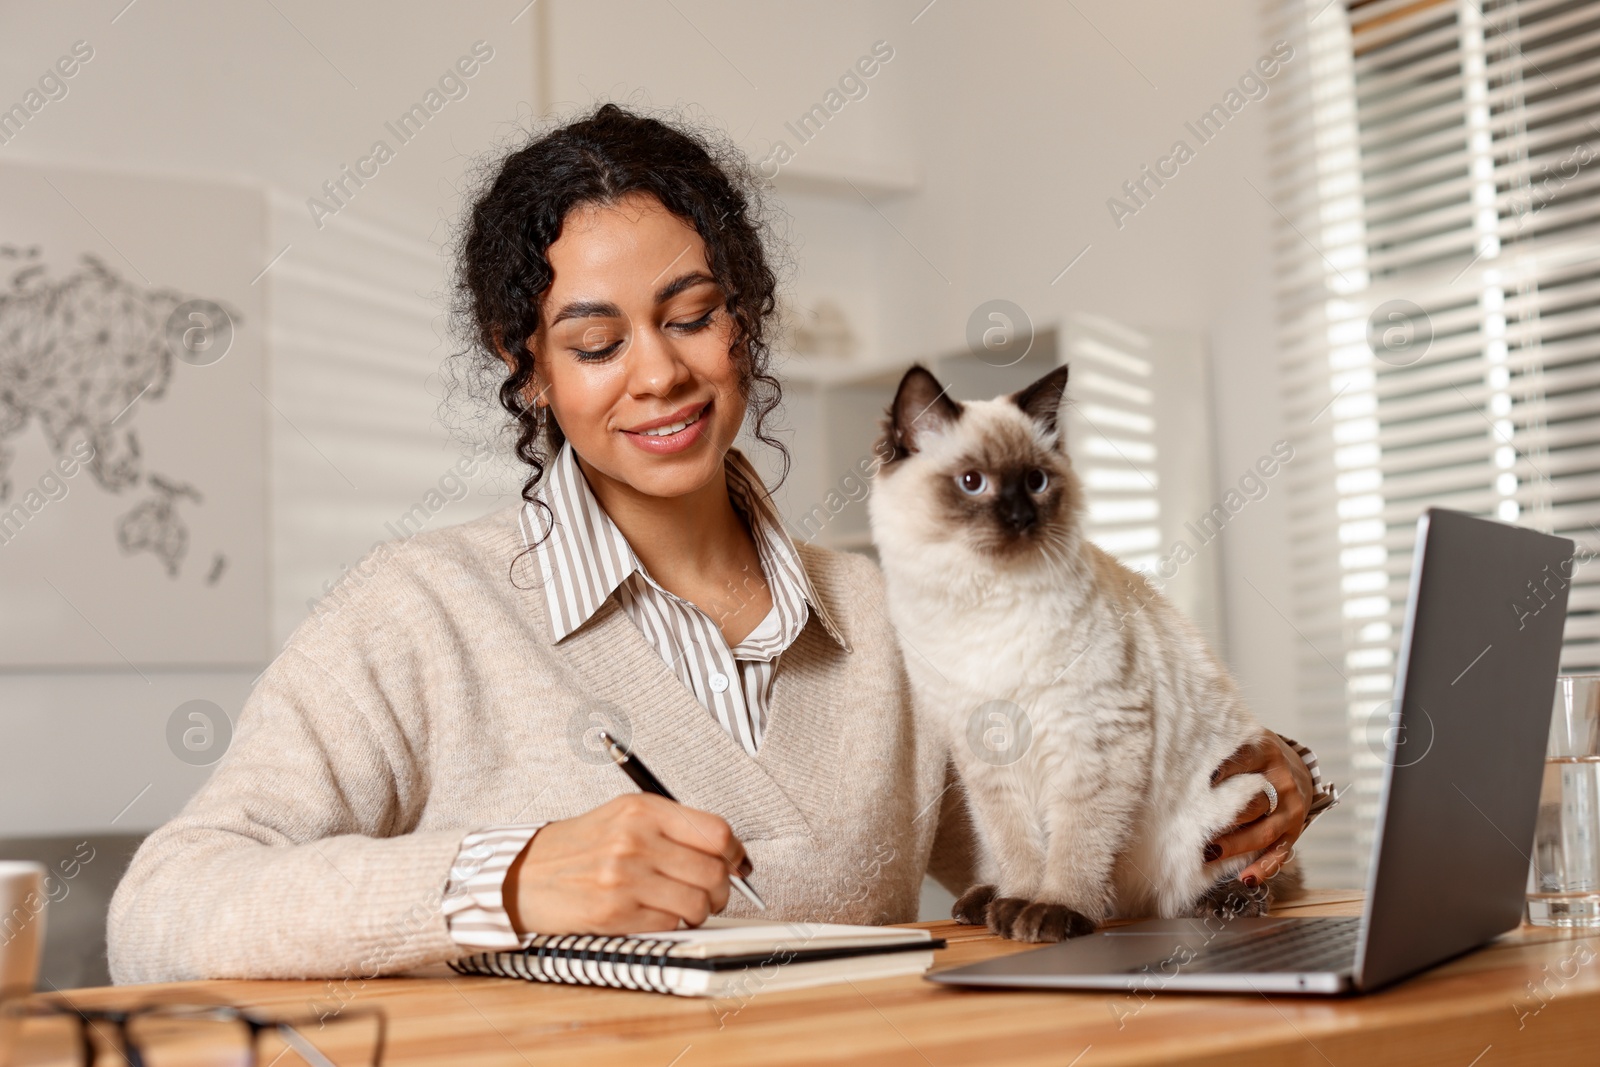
(1113, 438)
(1143, 449)
(1436, 169)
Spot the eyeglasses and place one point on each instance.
(51, 1032)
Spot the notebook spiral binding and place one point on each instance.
(618, 962)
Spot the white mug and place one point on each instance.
(22, 908)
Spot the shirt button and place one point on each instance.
(719, 683)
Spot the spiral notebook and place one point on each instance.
(724, 957)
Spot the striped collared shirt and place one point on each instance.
(586, 559)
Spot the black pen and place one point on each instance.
(634, 767)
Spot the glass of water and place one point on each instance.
(1564, 882)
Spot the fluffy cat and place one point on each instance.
(1085, 714)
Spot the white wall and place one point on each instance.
(234, 91)
(1017, 121)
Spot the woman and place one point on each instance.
(415, 774)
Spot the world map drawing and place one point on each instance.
(77, 353)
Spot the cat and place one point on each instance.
(1085, 714)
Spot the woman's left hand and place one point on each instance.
(1269, 756)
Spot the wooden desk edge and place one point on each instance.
(1430, 1019)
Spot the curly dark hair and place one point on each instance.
(502, 271)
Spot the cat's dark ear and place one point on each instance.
(1041, 401)
(921, 406)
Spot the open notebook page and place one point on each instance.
(739, 937)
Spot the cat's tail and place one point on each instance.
(1176, 871)
(1229, 899)
(1288, 882)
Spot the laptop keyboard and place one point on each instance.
(1320, 945)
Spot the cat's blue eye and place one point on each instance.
(1036, 481)
(973, 482)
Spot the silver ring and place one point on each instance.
(1272, 796)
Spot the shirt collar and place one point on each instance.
(586, 557)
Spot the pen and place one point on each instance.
(634, 768)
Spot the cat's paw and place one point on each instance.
(1233, 900)
(969, 908)
(1002, 913)
(1040, 922)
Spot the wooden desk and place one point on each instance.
(1479, 1011)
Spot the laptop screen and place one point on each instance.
(1464, 753)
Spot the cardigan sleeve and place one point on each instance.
(953, 862)
(297, 858)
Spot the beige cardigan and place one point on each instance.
(429, 700)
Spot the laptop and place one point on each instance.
(1465, 759)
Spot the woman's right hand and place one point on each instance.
(634, 864)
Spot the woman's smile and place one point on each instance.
(671, 433)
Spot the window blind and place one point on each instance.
(1436, 180)
(1112, 437)
(1142, 449)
